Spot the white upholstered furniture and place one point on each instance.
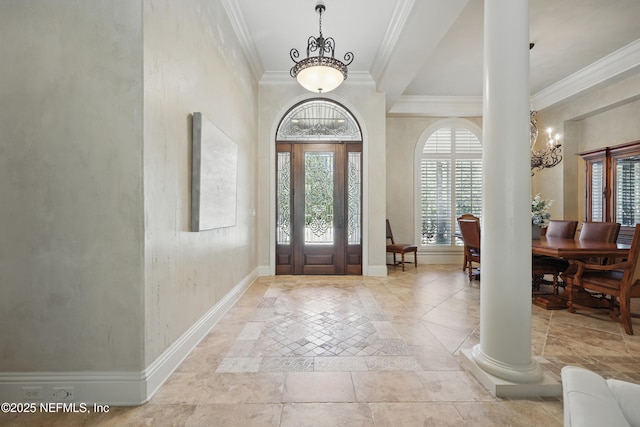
(590, 400)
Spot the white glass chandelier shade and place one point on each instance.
(322, 73)
(320, 78)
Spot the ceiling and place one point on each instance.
(426, 55)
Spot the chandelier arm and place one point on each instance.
(327, 46)
(348, 58)
(294, 54)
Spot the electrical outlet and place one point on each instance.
(32, 393)
(63, 393)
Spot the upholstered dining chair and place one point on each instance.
(472, 217)
(592, 232)
(542, 265)
(561, 228)
(400, 248)
(618, 283)
(470, 230)
(599, 231)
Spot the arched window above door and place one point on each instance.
(318, 120)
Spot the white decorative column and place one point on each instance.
(502, 361)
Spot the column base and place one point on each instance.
(546, 386)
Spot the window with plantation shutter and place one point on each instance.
(628, 191)
(450, 184)
(612, 190)
(597, 185)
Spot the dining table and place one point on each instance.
(574, 249)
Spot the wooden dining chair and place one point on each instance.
(543, 265)
(470, 230)
(617, 283)
(591, 232)
(400, 248)
(474, 218)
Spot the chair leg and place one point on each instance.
(464, 262)
(625, 314)
(415, 258)
(402, 261)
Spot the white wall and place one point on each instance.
(368, 107)
(71, 185)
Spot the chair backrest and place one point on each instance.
(469, 216)
(600, 231)
(470, 230)
(389, 233)
(560, 228)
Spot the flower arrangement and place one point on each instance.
(540, 211)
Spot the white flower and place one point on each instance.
(540, 211)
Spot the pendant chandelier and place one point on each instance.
(321, 73)
(548, 157)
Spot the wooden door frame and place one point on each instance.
(293, 258)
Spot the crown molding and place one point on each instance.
(232, 8)
(438, 106)
(400, 15)
(616, 64)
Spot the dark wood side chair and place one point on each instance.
(617, 282)
(400, 248)
(472, 217)
(470, 230)
(542, 265)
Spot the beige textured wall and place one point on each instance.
(192, 62)
(403, 135)
(71, 185)
(604, 117)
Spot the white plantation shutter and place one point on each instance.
(450, 184)
(628, 191)
(597, 183)
(436, 202)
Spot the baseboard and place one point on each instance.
(119, 388)
(376, 270)
(440, 257)
(264, 270)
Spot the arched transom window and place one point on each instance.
(450, 183)
(318, 120)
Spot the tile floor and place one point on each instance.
(361, 351)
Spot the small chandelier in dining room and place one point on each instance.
(321, 73)
(548, 157)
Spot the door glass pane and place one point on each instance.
(318, 197)
(283, 230)
(596, 192)
(354, 229)
(628, 191)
